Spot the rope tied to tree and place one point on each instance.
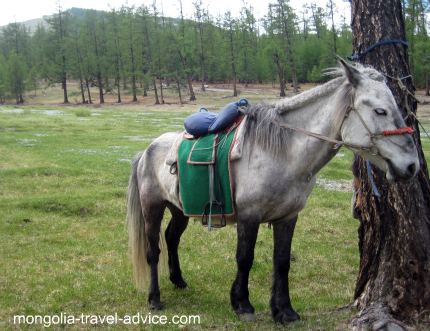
(359, 56)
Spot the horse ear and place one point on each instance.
(352, 74)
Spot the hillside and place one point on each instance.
(32, 24)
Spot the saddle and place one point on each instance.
(222, 120)
(202, 163)
(205, 122)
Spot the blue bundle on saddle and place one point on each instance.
(204, 122)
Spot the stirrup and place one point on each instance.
(207, 219)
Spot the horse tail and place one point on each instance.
(137, 237)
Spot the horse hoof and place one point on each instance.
(179, 283)
(156, 305)
(287, 316)
(247, 317)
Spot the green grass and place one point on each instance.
(63, 242)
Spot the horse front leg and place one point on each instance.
(280, 303)
(239, 295)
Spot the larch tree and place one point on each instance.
(393, 284)
(59, 24)
(199, 16)
(183, 54)
(229, 25)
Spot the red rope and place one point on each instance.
(397, 132)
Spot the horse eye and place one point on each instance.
(380, 111)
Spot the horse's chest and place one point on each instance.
(272, 194)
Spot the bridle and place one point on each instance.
(354, 147)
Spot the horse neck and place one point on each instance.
(323, 116)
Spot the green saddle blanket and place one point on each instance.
(197, 160)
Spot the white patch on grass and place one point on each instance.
(341, 185)
(139, 138)
(28, 142)
(49, 112)
(13, 111)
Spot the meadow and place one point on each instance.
(63, 242)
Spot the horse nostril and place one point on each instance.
(411, 169)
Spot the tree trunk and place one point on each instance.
(133, 73)
(190, 88)
(118, 88)
(178, 86)
(427, 83)
(161, 91)
(64, 80)
(393, 283)
(100, 83)
(280, 71)
(81, 86)
(154, 83)
(87, 84)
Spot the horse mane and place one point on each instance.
(263, 119)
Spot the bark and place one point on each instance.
(393, 283)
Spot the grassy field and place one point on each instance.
(63, 242)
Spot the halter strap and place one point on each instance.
(339, 143)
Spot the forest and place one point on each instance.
(136, 50)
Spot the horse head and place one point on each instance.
(374, 122)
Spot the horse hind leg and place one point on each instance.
(153, 215)
(176, 227)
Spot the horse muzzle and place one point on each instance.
(403, 172)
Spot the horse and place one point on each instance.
(285, 144)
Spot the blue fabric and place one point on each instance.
(227, 116)
(205, 122)
(198, 124)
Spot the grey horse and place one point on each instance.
(285, 144)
